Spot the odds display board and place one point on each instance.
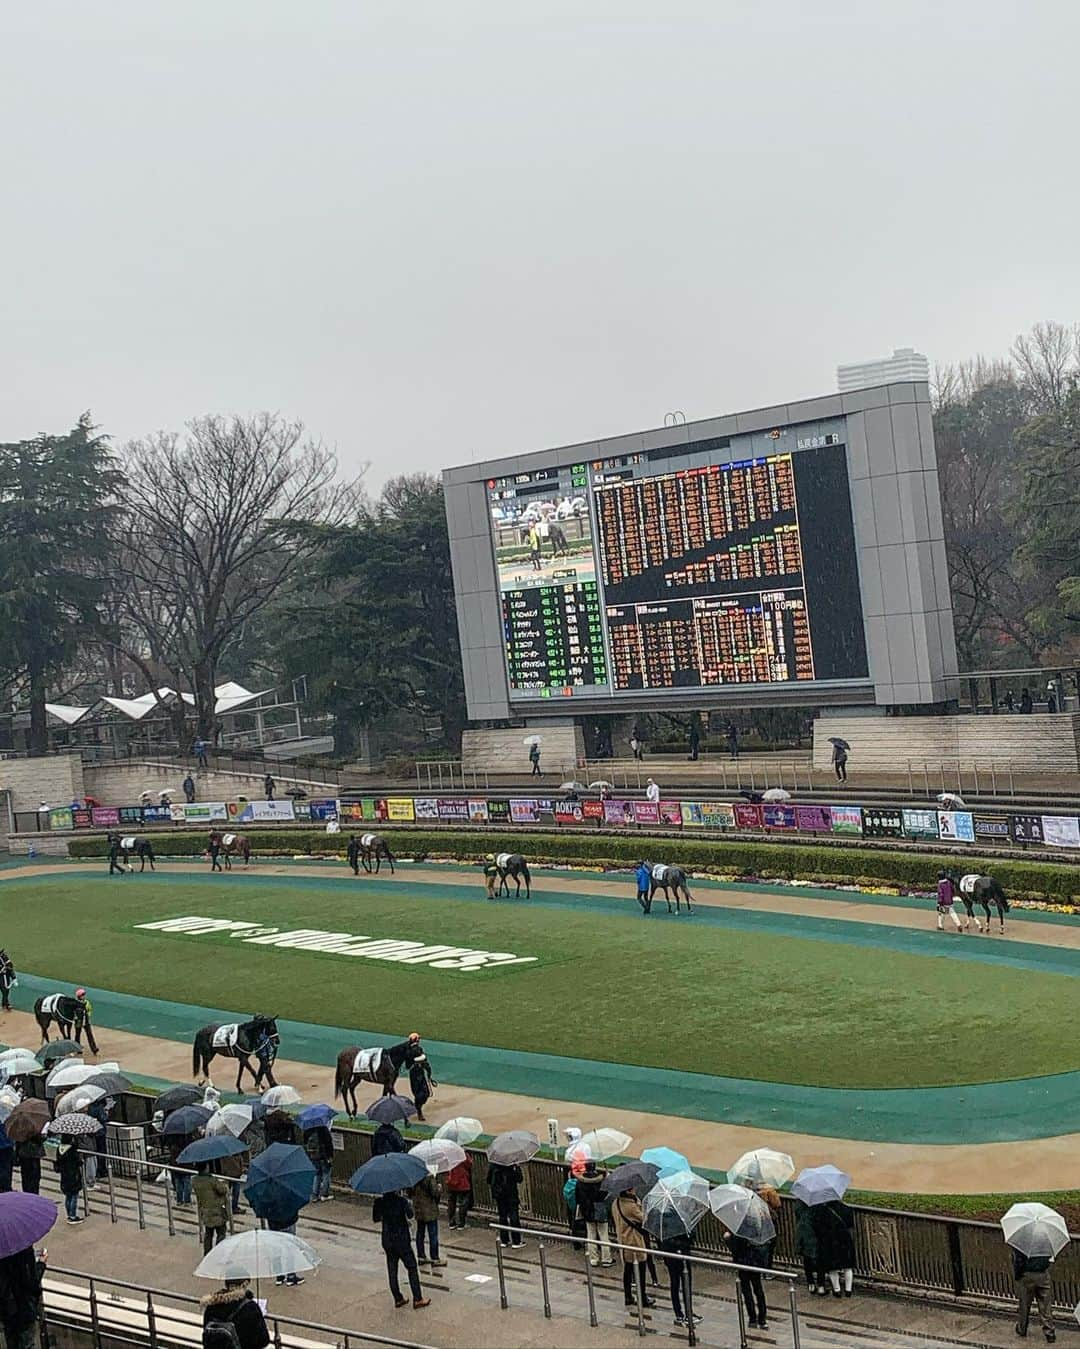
(685, 570)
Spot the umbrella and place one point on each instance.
(16, 1053)
(391, 1171)
(762, 1166)
(838, 742)
(210, 1150)
(601, 786)
(572, 787)
(281, 1096)
(58, 1049)
(233, 1119)
(439, 1154)
(821, 1185)
(24, 1219)
(189, 1119)
(78, 1098)
(67, 1074)
(513, 1148)
(390, 1109)
(639, 1176)
(26, 1121)
(257, 1254)
(675, 1205)
(776, 794)
(951, 801)
(75, 1125)
(316, 1116)
(461, 1130)
(112, 1083)
(1035, 1229)
(666, 1160)
(280, 1181)
(743, 1213)
(533, 740)
(18, 1062)
(175, 1097)
(599, 1144)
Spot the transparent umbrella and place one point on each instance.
(73, 1074)
(464, 1129)
(78, 1098)
(821, 1185)
(533, 740)
(675, 1205)
(951, 801)
(1035, 1229)
(439, 1154)
(281, 1096)
(599, 1144)
(513, 1148)
(762, 1166)
(258, 1254)
(744, 1213)
(776, 794)
(232, 1119)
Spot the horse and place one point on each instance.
(8, 979)
(381, 1066)
(512, 866)
(373, 849)
(240, 1040)
(983, 890)
(141, 847)
(665, 877)
(235, 845)
(70, 1014)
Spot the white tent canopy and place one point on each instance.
(229, 697)
(64, 712)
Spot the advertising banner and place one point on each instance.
(717, 815)
(1061, 831)
(453, 808)
(592, 810)
(60, 817)
(670, 813)
(426, 807)
(882, 823)
(747, 815)
(323, 810)
(1026, 828)
(992, 827)
(646, 812)
(350, 812)
(132, 814)
(846, 819)
(105, 815)
(302, 811)
(259, 812)
(401, 808)
(177, 813)
(478, 812)
(372, 809)
(498, 811)
(83, 819)
(920, 823)
(157, 814)
(692, 816)
(958, 826)
(568, 812)
(545, 811)
(523, 812)
(813, 819)
(777, 816)
(619, 812)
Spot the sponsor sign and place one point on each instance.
(994, 827)
(1061, 831)
(524, 812)
(692, 816)
(717, 815)
(350, 811)
(260, 812)
(401, 808)
(545, 811)
(747, 815)
(157, 814)
(199, 811)
(426, 807)
(60, 818)
(82, 818)
(373, 808)
(568, 812)
(879, 823)
(453, 808)
(670, 813)
(777, 816)
(105, 815)
(324, 810)
(462, 959)
(919, 823)
(592, 810)
(846, 819)
(813, 819)
(131, 815)
(302, 811)
(956, 825)
(498, 810)
(178, 813)
(478, 812)
(646, 812)
(1026, 828)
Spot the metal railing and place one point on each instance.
(726, 774)
(449, 775)
(928, 777)
(687, 1286)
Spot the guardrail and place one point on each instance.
(449, 775)
(748, 773)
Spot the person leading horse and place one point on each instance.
(69, 1013)
(240, 1040)
(381, 1066)
(669, 878)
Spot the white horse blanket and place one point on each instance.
(225, 1036)
(367, 1061)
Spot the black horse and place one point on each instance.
(240, 1040)
(512, 866)
(669, 878)
(983, 890)
(7, 980)
(380, 1066)
(141, 848)
(374, 850)
(69, 1013)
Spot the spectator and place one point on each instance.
(680, 1277)
(534, 759)
(393, 1211)
(1010, 701)
(69, 1164)
(834, 1227)
(29, 1155)
(268, 787)
(211, 1206)
(1026, 704)
(732, 735)
(234, 1305)
(180, 1177)
(652, 791)
(20, 1298)
(459, 1194)
(425, 1198)
(694, 738)
(188, 788)
(198, 748)
(807, 1249)
(7, 1160)
(386, 1138)
(286, 1223)
(94, 1150)
(233, 1169)
(319, 1146)
(282, 1128)
(839, 760)
(630, 1234)
(503, 1181)
(1032, 1275)
(593, 1207)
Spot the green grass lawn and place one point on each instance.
(668, 994)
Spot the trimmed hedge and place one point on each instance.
(789, 861)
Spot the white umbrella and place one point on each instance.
(951, 801)
(19, 1063)
(73, 1072)
(78, 1098)
(281, 1096)
(743, 1212)
(17, 1053)
(821, 1185)
(533, 740)
(230, 1119)
(464, 1129)
(601, 786)
(9, 1099)
(439, 1154)
(599, 1144)
(572, 787)
(1035, 1229)
(675, 1204)
(257, 1254)
(762, 1166)
(776, 794)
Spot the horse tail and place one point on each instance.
(341, 1074)
(195, 1049)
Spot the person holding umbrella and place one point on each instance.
(319, 1146)
(425, 1196)
(24, 1219)
(593, 1207)
(393, 1212)
(386, 1139)
(211, 1206)
(834, 1228)
(279, 1184)
(1036, 1234)
(459, 1193)
(534, 758)
(839, 757)
(69, 1164)
(630, 1234)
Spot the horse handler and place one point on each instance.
(83, 1023)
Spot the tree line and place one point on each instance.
(234, 548)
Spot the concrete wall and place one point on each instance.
(503, 751)
(117, 784)
(55, 778)
(1038, 742)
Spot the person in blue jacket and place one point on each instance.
(644, 885)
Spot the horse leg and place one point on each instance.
(243, 1062)
(43, 1024)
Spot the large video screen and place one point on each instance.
(679, 568)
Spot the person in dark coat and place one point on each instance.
(387, 1138)
(352, 853)
(421, 1083)
(503, 1181)
(69, 1164)
(116, 863)
(593, 1206)
(214, 849)
(188, 786)
(319, 1146)
(29, 1156)
(286, 1222)
(834, 1227)
(7, 1160)
(394, 1212)
(20, 1298)
(745, 1252)
(282, 1128)
(1032, 1275)
(235, 1303)
(806, 1247)
(680, 1277)
(268, 787)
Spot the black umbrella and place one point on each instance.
(189, 1119)
(112, 1084)
(58, 1049)
(639, 1176)
(176, 1097)
(840, 744)
(390, 1109)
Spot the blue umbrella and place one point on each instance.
(211, 1149)
(821, 1185)
(316, 1116)
(280, 1181)
(24, 1219)
(390, 1109)
(391, 1171)
(189, 1119)
(667, 1159)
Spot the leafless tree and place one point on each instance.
(1048, 361)
(215, 524)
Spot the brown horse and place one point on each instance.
(235, 845)
(382, 1068)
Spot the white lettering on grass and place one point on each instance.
(460, 959)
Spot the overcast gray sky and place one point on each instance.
(436, 231)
